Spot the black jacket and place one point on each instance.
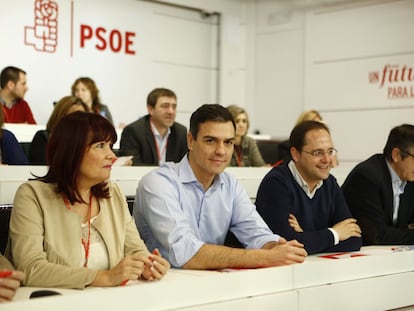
(369, 194)
(37, 150)
(138, 140)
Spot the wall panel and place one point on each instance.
(360, 72)
(171, 47)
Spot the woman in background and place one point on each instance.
(66, 105)
(309, 115)
(85, 88)
(72, 228)
(246, 152)
(11, 152)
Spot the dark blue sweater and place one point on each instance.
(280, 195)
(11, 151)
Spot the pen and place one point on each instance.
(123, 283)
(154, 252)
(5, 274)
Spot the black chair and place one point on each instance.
(130, 201)
(26, 148)
(269, 150)
(232, 241)
(5, 212)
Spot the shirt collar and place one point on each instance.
(186, 174)
(397, 183)
(4, 103)
(156, 133)
(302, 183)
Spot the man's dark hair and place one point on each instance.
(10, 73)
(297, 136)
(157, 93)
(401, 137)
(209, 112)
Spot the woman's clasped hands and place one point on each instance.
(134, 267)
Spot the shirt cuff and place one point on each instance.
(335, 235)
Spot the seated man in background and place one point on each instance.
(380, 191)
(9, 280)
(185, 209)
(13, 88)
(301, 200)
(156, 137)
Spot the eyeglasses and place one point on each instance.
(320, 153)
(407, 153)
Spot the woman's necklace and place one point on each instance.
(239, 153)
(86, 244)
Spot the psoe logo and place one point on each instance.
(43, 35)
(398, 80)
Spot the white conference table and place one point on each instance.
(127, 177)
(24, 133)
(375, 278)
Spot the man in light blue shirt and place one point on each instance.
(186, 209)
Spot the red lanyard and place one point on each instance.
(238, 151)
(85, 244)
(164, 150)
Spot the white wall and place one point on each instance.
(279, 66)
(173, 47)
(342, 52)
(233, 81)
(322, 57)
(275, 58)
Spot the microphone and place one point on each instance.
(43, 293)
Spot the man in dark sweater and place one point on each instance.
(156, 137)
(301, 200)
(380, 191)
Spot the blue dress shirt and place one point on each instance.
(174, 214)
(398, 187)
